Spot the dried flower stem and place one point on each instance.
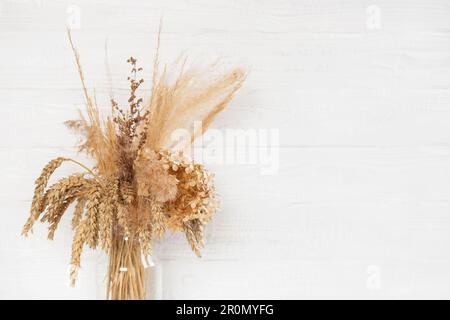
(126, 272)
(85, 168)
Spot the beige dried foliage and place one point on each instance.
(158, 219)
(54, 222)
(153, 180)
(107, 212)
(140, 186)
(145, 239)
(58, 193)
(41, 183)
(79, 240)
(193, 230)
(78, 212)
(194, 96)
(93, 199)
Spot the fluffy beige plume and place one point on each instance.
(194, 96)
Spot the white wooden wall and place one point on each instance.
(359, 91)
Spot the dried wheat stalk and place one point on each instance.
(140, 187)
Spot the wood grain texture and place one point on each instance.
(360, 204)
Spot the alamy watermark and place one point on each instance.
(373, 20)
(254, 147)
(73, 20)
(373, 280)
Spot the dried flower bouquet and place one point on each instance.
(139, 187)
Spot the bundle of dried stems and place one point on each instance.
(139, 187)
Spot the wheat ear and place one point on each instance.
(78, 212)
(93, 198)
(77, 248)
(40, 184)
(193, 230)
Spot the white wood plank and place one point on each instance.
(359, 206)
